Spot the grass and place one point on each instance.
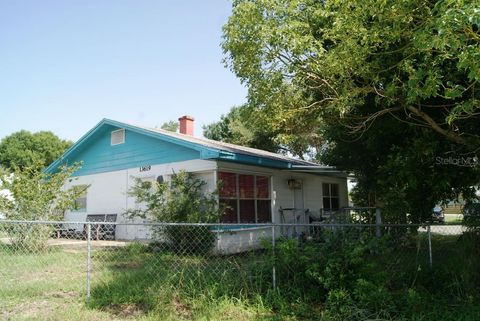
(49, 286)
(138, 283)
(130, 283)
(179, 287)
(453, 219)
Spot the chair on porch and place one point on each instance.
(102, 231)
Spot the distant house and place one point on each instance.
(258, 186)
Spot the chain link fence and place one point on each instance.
(85, 259)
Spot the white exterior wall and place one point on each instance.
(108, 193)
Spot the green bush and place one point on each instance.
(190, 239)
(181, 200)
(354, 275)
(35, 196)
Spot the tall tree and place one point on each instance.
(240, 126)
(24, 149)
(419, 60)
(389, 86)
(251, 127)
(396, 167)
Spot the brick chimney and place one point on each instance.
(186, 125)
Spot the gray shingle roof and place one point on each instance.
(232, 147)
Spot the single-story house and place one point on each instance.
(258, 186)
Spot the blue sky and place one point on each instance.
(66, 64)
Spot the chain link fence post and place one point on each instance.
(89, 258)
(274, 276)
(430, 245)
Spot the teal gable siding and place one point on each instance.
(98, 155)
(145, 146)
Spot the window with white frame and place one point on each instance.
(331, 199)
(80, 203)
(246, 198)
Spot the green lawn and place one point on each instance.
(453, 218)
(139, 283)
(127, 284)
(49, 286)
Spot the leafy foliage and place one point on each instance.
(242, 126)
(355, 276)
(24, 149)
(395, 166)
(471, 215)
(386, 87)
(248, 126)
(171, 126)
(417, 60)
(181, 200)
(31, 194)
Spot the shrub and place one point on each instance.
(34, 195)
(182, 200)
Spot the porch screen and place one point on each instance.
(246, 198)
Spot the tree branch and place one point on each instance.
(436, 127)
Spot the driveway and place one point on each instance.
(445, 229)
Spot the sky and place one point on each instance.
(67, 64)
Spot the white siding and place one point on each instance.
(108, 193)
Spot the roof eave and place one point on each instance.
(205, 152)
(254, 160)
(321, 171)
(51, 168)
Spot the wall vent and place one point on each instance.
(118, 137)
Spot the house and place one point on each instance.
(258, 186)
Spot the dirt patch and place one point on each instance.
(126, 311)
(63, 294)
(29, 310)
(181, 309)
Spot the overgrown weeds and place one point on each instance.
(343, 276)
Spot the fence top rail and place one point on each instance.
(244, 225)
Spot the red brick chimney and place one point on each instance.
(186, 125)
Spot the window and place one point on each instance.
(246, 197)
(117, 137)
(80, 203)
(331, 200)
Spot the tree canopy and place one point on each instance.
(388, 87)
(171, 126)
(249, 126)
(24, 149)
(418, 60)
(243, 127)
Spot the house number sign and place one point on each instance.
(145, 168)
